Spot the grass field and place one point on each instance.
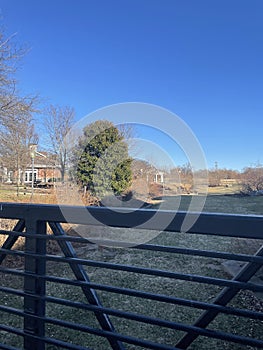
(11, 193)
(164, 261)
(219, 199)
(226, 203)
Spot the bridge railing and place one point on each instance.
(38, 319)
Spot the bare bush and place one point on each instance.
(252, 180)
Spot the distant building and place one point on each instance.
(159, 177)
(228, 182)
(45, 170)
(143, 169)
(4, 174)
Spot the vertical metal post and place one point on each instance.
(34, 286)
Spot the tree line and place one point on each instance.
(249, 180)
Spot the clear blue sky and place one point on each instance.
(201, 59)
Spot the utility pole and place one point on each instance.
(32, 149)
(33, 152)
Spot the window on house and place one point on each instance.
(28, 176)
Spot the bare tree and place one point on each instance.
(252, 179)
(10, 55)
(16, 133)
(16, 112)
(58, 122)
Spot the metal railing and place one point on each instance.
(33, 328)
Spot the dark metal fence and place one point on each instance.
(32, 330)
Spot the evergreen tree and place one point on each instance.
(103, 165)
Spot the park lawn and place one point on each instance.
(231, 204)
(12, 194)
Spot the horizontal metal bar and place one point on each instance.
(163, 273)
(150, 272)
(102, 333)
(135, 341)
(152, 247)
(157, 248)
(182, 327)
(48, 236)
(139, 318)
(17, 292)
(256, 315)
(12, 310)
(47, 340)
(200, 252)
(12, 272)
(179, 326)
(99, 309)
(7, 347)
(13, 330)
(246, 226)
(176, 301)
(149, 296)
(119, 313)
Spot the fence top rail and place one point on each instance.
(232, 225)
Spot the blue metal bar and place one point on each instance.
(230, 225)
(11, 240)
(36, 338)
(150, 247)
(222, 299)
(237, 257)
(179, 326)
(81, 275)
(7, 347)
(171, 300)
(147, 271)
(144, 295)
